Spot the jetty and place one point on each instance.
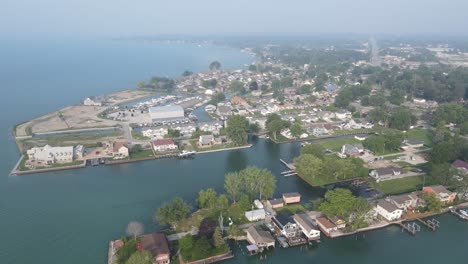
(412, 228)
(454, 211)
(291, 169)
(432, 224)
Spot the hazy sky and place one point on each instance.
(152, 17)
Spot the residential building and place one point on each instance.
(120, 150)
(160, 145)
(255, 215)
(405, 201)
(444, 195)
(286, 225)
(290, 198)
(155, 133)
(388, 173)
(260, 238)
(205, 140)
(308, 226)
(388, 210)
(50, 155)
(352, 149)
(258, 204)
(276, 203)
(325, 225)
(158, 246)
(412, 143)
(461, 166)
(78, 152)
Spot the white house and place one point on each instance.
(308, 226)
(160, 145)
(382, 174)
(286, 225)
(119, 150)
(205, 140)
(255, 215)
(51, 155)
(155, 133)
(388, 210)
(258, 204)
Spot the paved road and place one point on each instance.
(127, 132)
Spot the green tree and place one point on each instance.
(235, 231)
(233, 185)
(305, 89)
(207, 198)
(140, 257)
(215, 65)
(314, 149)
(258, 182)
(237, 128)
(127, 250)
(217, 98)
(244, 203)
(222, 202)
(236, 86)
(309, 166)
(171, 213)
(136, 148)
(402, 119)
(141, 84)
(296, 128)
(441, 173)
(172, 133)
(254, 128)
(433, 203)
(187, 73)
(253, 67)
(218, 240)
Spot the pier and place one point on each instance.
(431, 224)
(291, 167)
(453, 211)
(412, 228)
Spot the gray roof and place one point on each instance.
(388, 171)
(167, 108)
(401, 199)
(276, 201)
(293, 194)
(260, 236)
(305, 221)
(387, 205)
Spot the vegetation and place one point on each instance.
(433, 203)
(171, 213)
(237, 129)
(275, 124)
(343, 204)
(172, 133)
(127, 250)
(252, 181)
(140, 257)
(329, 169)
(199, 247)
(403, 185)
(217, 98)
(215, 65)
(159, 83)
(384, 143)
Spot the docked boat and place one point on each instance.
(464, 212)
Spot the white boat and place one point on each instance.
(360, 138)
(464, 212)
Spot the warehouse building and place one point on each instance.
(165, 113)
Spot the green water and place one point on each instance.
(69, 217)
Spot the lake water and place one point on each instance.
(69, 217)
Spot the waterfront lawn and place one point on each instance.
(22, 164)
(336, 144)
(139, 136)
(142, 154)
(403, 185)
(198, 248)
(193, 144)
(421, 134)
(73, 163)
(291, 209)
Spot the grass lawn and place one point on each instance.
(139, 136)
(402, 185)
(73, 163)
(336, 144)
(142, 154)
(22, 166)
(291, 209)
(193, 144)
(421, 134)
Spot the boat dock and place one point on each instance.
(464, 217)
(431, 224)
(412, 228)
(291, 167)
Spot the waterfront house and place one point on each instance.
(405, 201)
(260, 238)
(120, 150)
(205, 140)
(258, 204)
(308, 226)
(352, 150)
(158, 246)
(412, 143)
(388, 173)
(290, 198)
(286, 225)
(388, 210)
(444, 195)
(155, 133)
(255, 215)
(460, 166)
(325, 225)
(161, 145)
(275, 203)
(48, 155)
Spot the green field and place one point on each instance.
(142, 154)
(403, 185)
(336, 144)
(291, 209)
(421, 134)
(139, 136)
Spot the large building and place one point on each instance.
(165, 113)
(157, 245)
(51, 155)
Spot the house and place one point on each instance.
(223, 110)
(160, 145)
(260, 238)
(290, 198)
(444, 195)
(237, 100)
(318, 131)
(93, 101)
(461, 166)
(352, 149)
(258, 204)
(50, 155)
(286, 225)
(157, 245)
(412, 143)
(382, 174)
(254, 215)
(120, 150)
(275, 203)
(308, 226)
(78, 152)
(388, 210)
(405, 201)
(325, 225)
(205, 140)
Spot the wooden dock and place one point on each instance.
(453, 211)
(431, 224)
(411, 228)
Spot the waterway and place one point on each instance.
(69, 216)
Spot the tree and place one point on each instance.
(433, 203)
(235, 231)
(134, 229)
(172, 133)
(207, 198)
(254, 128)
(308, 166)
(244, 203)
(233, 185)
(258, 182)
(296, 128)
(171, 213)
(252, 67)
(450, 113)
(215, 65)
(217, 98)
(140, 257)
(237, 86)
(440, 173)
(305, 89)
(207, 227)
(314, 149)
(274, 127)
(187, 73)
(344, 98)
(126, 251)
(253, 86)
(222, 202)
(237, 128)
(136, 148)
(141, 84)
(402, 119)
(218, 240)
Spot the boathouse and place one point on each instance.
(260, 238)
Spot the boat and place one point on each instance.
(360, 138)
(186, 154)
(464, 212)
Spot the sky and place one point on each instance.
(121, 18)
